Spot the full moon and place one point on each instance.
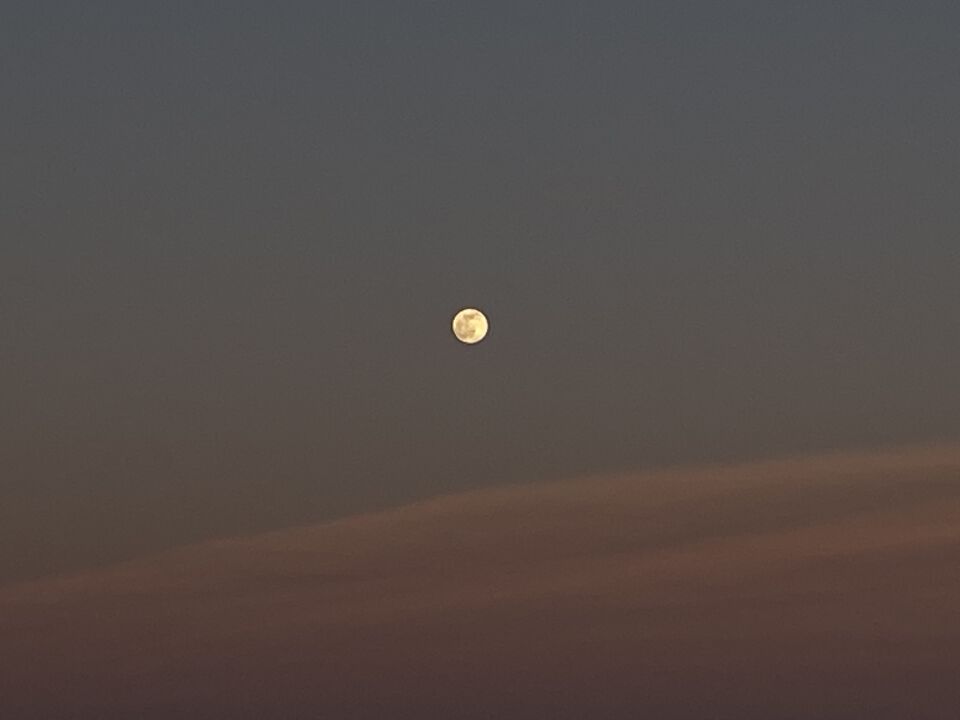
(470, 326)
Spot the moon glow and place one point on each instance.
(470, 326)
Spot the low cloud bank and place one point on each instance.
(825, 587)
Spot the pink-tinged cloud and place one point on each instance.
(824, 587)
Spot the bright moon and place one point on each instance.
(470, 326)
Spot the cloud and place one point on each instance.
(822, 586)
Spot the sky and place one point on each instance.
(814, 587)
(232, 237)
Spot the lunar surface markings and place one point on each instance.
(470, 326)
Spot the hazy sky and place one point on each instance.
(232, 236)
(823, 587)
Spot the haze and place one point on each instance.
(232, 240)
(815, 587)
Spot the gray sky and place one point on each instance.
(232, 238)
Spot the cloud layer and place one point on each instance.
(817, 587)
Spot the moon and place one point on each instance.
(470, 326)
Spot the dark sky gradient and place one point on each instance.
(819, 587)
(232, 236)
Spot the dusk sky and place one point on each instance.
(233, 237)
(706, 463)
